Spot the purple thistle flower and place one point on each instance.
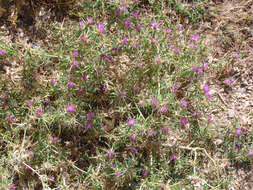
(110, 154)
(90, 21)
(175, 87)
(190, 80)
(168, 30)
(165, 129)
(103, 89)
(29, 103)
(238, 131)
(209, 117)
(152, 133)
(196, 114)
(246, 128)
(70, 108)
(184, 121)
(118, 173)
(153, 40)
(191, 5)
(135, 14)
(195, 69)
(75, 65)
(163, 109)
(198, 70)
(81, 23)
(70, 84)
(194, 38)
(237, 146)
(90, 115)
(127, 22)
(193, 45)
(173, 157)
(84, 76)
(131, 122)
(105, 127)
(177, 50)
(140, 103)
(208, 95)
(26, 86)
(10, 118)
(12, 187)
(145, 173)
(75, 53)
(135, 46)
(205, 65)
(80, 92)
(227, 81)
(206, 88)
(31, 154)
(154, 24)
(122, 94)
(154, 102)
(133, 150)
(236, 55)
(179, 27)
(38, 112)
(183, 103)
(53, 80)
(123, 8)
(2, 51)
(133, 138)
(83, 38)
(115, 49)
(88, 125)
(54, 140)
(5, 95)
(250, 153)
(101, 28)
(124, 41)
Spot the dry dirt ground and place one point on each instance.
(229, 30)
(229, 34)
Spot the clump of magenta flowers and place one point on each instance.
(120, 89)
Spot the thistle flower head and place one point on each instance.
(183, 103)
(90, 21)
(184, 121)
(38, 112)
(110, 154)
(70, 108)
(238, 131)
(2, 51)
(145, 173)
(173, 157)
(133, 150)
(135, 14)
(163, 109)
(127, 22)
(228, 81)
(133, 138)
(90, 115)
(206, 88)
(70, 84)
(101, 28)
(131, 122)
(124, 41)
(165, 129)
(194, 38)
(154, 102)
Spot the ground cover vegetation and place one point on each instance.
(117, 96)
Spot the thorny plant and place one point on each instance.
(114, 101)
